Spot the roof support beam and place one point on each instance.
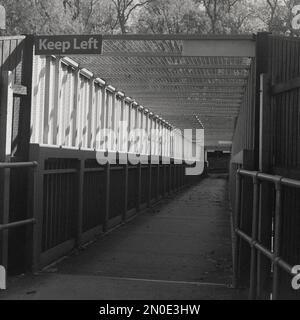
(188, 92)
(186, 96)
(116, 66)
(140, 86)
(220, 48)
(191, 96)
(196, 110)
(149, 76)
(190, 102)
(174, 37)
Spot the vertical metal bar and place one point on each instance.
(107, 198)
(5, 217)
(139, 195)
(236, 227)
(164, 180)
(150, 182)
(277, 241)
(158, 180)
(262, 64)
(253, 270)
(6, 111)
(125, 194)
(35, 237)
(170, 178)
(38, 202)
(80, 202)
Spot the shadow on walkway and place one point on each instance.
(179, 250)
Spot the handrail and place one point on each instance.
(14, 165)
(256, 246)
(16, 224)
(13, 225)
(270, 178)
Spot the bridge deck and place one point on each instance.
(179, 250)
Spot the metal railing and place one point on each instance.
(274, 255)
(18, 224)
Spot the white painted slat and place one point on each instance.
(79, 111)
(61, 100)
(85, 113)
(103, 117)
(7, 105)
(99, 107)
(93, 132)
(71, 114)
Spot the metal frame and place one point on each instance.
(4, 228)
(155, 68)
(42, 153)
(256, 247)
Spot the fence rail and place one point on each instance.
(72, 108)
(275, 251)
(16, 224)
(6, 226)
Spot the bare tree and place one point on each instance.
(273, 7)
(216, 10)
(124, 10)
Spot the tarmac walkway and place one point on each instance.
(179, 250)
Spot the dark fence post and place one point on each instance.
(278, 239)
(262, 67)
(139, 186)
(126, 193)
(254, 253)
(37, 205)
(158, 181)
(150, 183)
(107, 197)
(81, 167)
(170, 178)
(236, 226)
(266, 191)
(263, 159)
(164, 180)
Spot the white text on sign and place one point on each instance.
(48, 45)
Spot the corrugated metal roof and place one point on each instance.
(184, 90)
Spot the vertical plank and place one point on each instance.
(6, 118)
(265, 213)
(81, 167)
(60, 103)
(92, 117)
(150, 183)
(107, 197)
(262, 63)
(55, 92)
(85, 112)
(124, 217)
(158, 180)
(79, 111)
(38, 204)
(71, 115)
(99, 108)
(139, 186)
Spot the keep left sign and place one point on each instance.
(68, 44)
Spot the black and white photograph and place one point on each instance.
(149, 156)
